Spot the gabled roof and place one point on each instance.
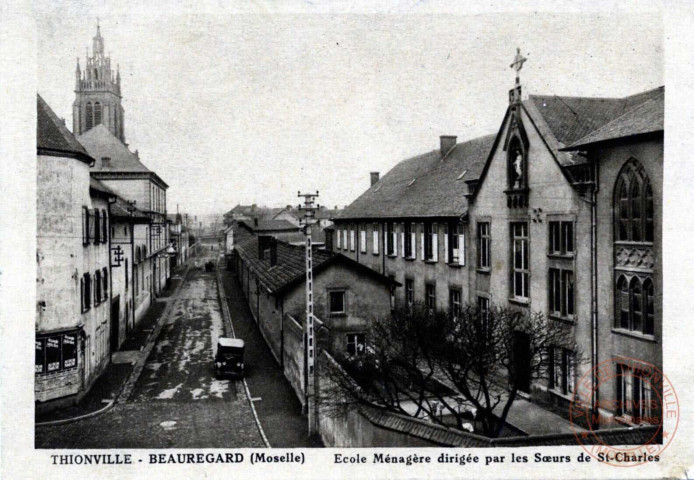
(571, 118)
(561, 121)
(646, 118)
(100, 142)
(291, 264)
(52, 136)
(424, 186)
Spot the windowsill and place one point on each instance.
(484, 270)
(455, 265)
(338, 315)
(524, 302)
(431, 261)
(375, 254)
(560, 394)
(392, 255)
(410, 259)
(627, 243)
(559, 318)
(633, 334)
(561, 256)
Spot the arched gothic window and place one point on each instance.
(635, 304)
(90, 116)
(97, 114)
(633, 203)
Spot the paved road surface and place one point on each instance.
(177, 402)
(278, 408)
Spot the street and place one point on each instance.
(176, 402)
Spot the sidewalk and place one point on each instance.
(109, 385)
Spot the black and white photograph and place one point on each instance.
(406, 240)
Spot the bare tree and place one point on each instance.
(423, 363)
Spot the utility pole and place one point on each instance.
(309, 208)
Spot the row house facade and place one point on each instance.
(73, 274)
(557, 213)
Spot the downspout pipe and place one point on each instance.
(594, 282)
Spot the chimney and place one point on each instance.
(106, 162)
(263, 244)
(273, 251)
(374, 177)
(447, 143)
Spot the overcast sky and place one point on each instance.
(250, 108)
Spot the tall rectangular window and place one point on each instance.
(352, 245)
(362, 239)
(455, 244)
(561, 238)
(483, 246)
(85, 226)
(562, 370)
(455, 302)
(636, 397)
(520, 280)
(390, 238)
(409, 293)
(339, 238)
(561, 292)
(375, 239)
(430, 296)
(430, 242)
(408, 238)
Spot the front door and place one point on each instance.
(521, 374)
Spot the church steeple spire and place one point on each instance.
(98, 93)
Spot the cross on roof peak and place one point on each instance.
(517, 64)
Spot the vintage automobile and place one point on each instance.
(229, 358)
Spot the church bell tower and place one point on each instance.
(97, 92)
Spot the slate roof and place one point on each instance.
(53, 137)
(100, 142)
(571, 118)
(645, 118)
(291, 264)
(120, 209)
(270, 226)
(436, 191)
(95, 186)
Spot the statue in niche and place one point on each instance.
(518, 168)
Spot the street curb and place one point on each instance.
(108, 407)
(230, 327)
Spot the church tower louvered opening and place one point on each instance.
(97, 92)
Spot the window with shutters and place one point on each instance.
(104, 226)
(484, 241)
(375, 239)
(97, 226)
(85, 226)
(104, 279)
(86, 292)
(409, 240)
(430, 242)
(127, 270)
(455, 244)
(98, 296)
(520, 274)
(390, 239)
